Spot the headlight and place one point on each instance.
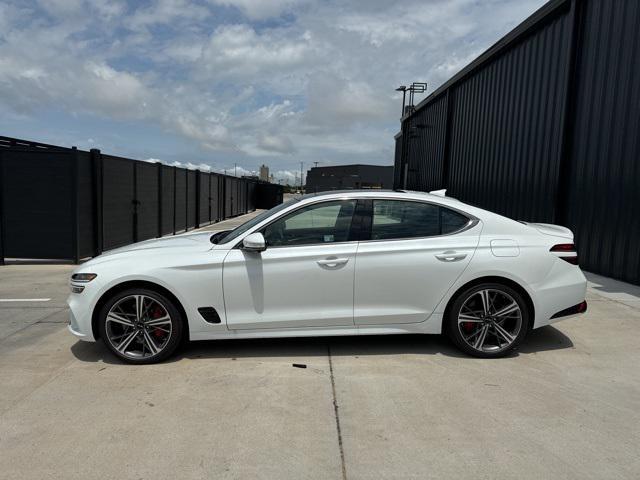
(80, 278)
(83, 277)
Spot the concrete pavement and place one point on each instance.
(566, 406)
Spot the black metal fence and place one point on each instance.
(544, 127)
(61, 203)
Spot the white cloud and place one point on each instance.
(165, 12)
(286, 177)
(336, 102)
(275, 144)
(238, 51)
(261, 9)
(287, 81)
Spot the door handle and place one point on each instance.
(332, 262)
(450, 256)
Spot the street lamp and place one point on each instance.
(402, 89)
(409, 131)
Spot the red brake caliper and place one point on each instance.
(157, 313)
(467, 326)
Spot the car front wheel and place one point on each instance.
(488, 320)
(140, 326)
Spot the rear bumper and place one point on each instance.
(564, 288)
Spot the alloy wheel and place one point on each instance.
(490, 320)
(138, 326)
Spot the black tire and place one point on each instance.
(169, 344)
(457, 329)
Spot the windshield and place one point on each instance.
(239, 230)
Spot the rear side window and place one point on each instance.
(394, 219)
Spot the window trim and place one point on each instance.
(364, 230)
(472, 221)
(260, 229)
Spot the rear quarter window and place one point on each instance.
(452, 221)
(398, 219)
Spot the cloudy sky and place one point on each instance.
(221, 82)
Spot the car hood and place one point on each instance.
(188, 242)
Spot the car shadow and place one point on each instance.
(545, 339)
(540, 340)
(607, 285)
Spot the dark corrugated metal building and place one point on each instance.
(544, 126)
(340, 177)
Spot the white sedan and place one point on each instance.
(339, 263)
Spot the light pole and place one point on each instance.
(408, 132)
(300, 177)
(402, 89)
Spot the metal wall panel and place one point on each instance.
(168, 199)
(37, 190)
(506, 129)
(603, 207)
(147, 202)
(268, 195)
(86, 206)
(181, 200)
(242, 196)
(397, 164)
(251, 196)
(86, 202)
(117, 203)
(192, 199)
(229, 193)
(214, 197)
(544, 127)
(427, 130)
(222, 196)
(238, 198)
(204, 216)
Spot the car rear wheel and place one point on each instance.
(140, 326)
(488, 320)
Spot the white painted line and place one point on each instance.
(24, 299)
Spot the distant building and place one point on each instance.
(320, 179)
(264, 173)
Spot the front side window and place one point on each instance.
(240, 229)
(394, 219)
(326, 222)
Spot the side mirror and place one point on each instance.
(254, 243)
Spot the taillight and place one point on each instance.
(563, 247)
(568, 248)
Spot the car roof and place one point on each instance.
(377, 193)
(398, 195)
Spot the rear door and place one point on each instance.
(413, 252)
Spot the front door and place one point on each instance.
(414, 252)
(303, 279)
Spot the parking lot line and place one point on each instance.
(24, 299)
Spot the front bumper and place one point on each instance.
(80, 316)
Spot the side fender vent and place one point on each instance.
(209, 314)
